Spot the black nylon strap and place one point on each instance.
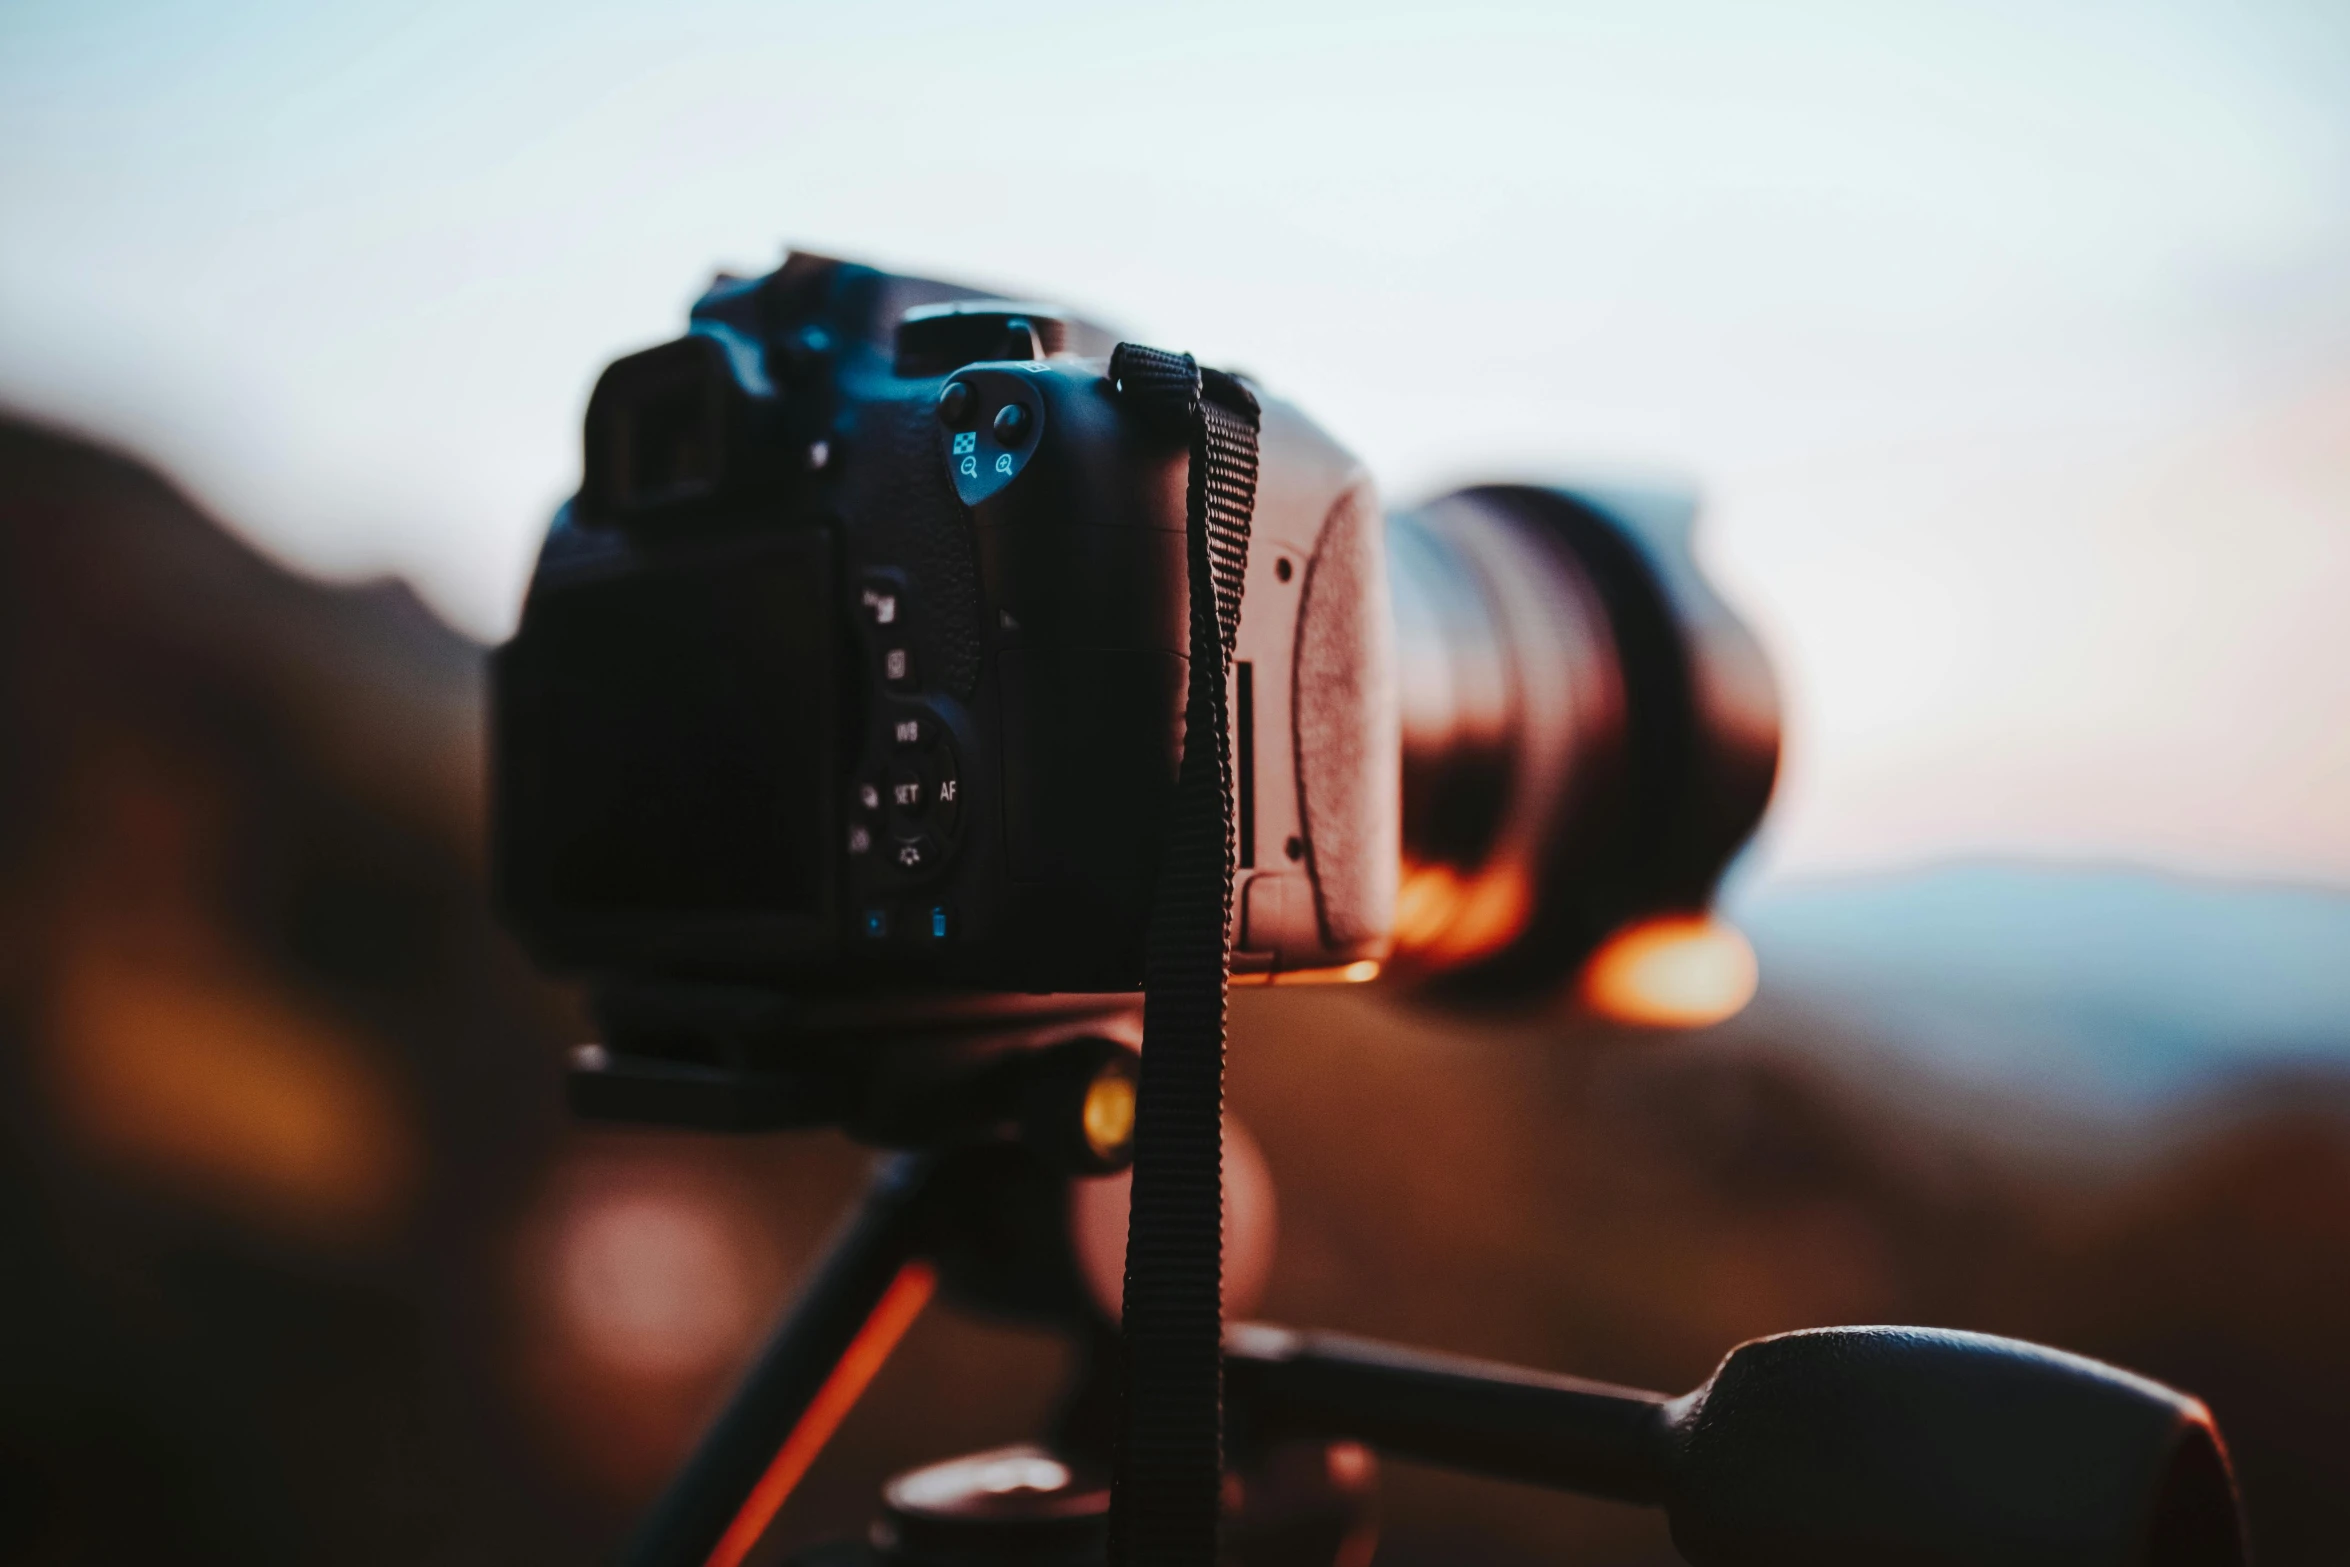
(1167, 1483)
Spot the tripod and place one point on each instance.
(1844, 1445)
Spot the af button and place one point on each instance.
(946, 788)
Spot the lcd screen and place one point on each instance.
(684, 738)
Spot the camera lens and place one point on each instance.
(1588, 734)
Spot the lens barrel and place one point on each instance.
(1589, 734)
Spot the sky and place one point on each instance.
(2008, 343)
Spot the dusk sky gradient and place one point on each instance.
(2009, 343)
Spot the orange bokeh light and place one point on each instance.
(1442, 918)
(1678, 971)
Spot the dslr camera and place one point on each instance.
(854, 674)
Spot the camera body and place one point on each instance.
(856, 666)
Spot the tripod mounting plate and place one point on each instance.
(1058, 1076)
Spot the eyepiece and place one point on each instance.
(659, 429)
(1588, 733)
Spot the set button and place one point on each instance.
(909, 792)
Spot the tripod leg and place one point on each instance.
(864, 1295)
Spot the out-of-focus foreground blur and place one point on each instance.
(305, 1265)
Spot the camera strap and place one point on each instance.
(1167, 1482)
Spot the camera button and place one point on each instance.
(860, 839)
(880, 602)
(1011, 423)
(954, 404)
(915, 856)
(897, 667)
(946, 790)
(909, 792)
(909, 729)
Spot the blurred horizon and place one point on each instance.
(2010, 345)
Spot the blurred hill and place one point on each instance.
(306, 1265)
